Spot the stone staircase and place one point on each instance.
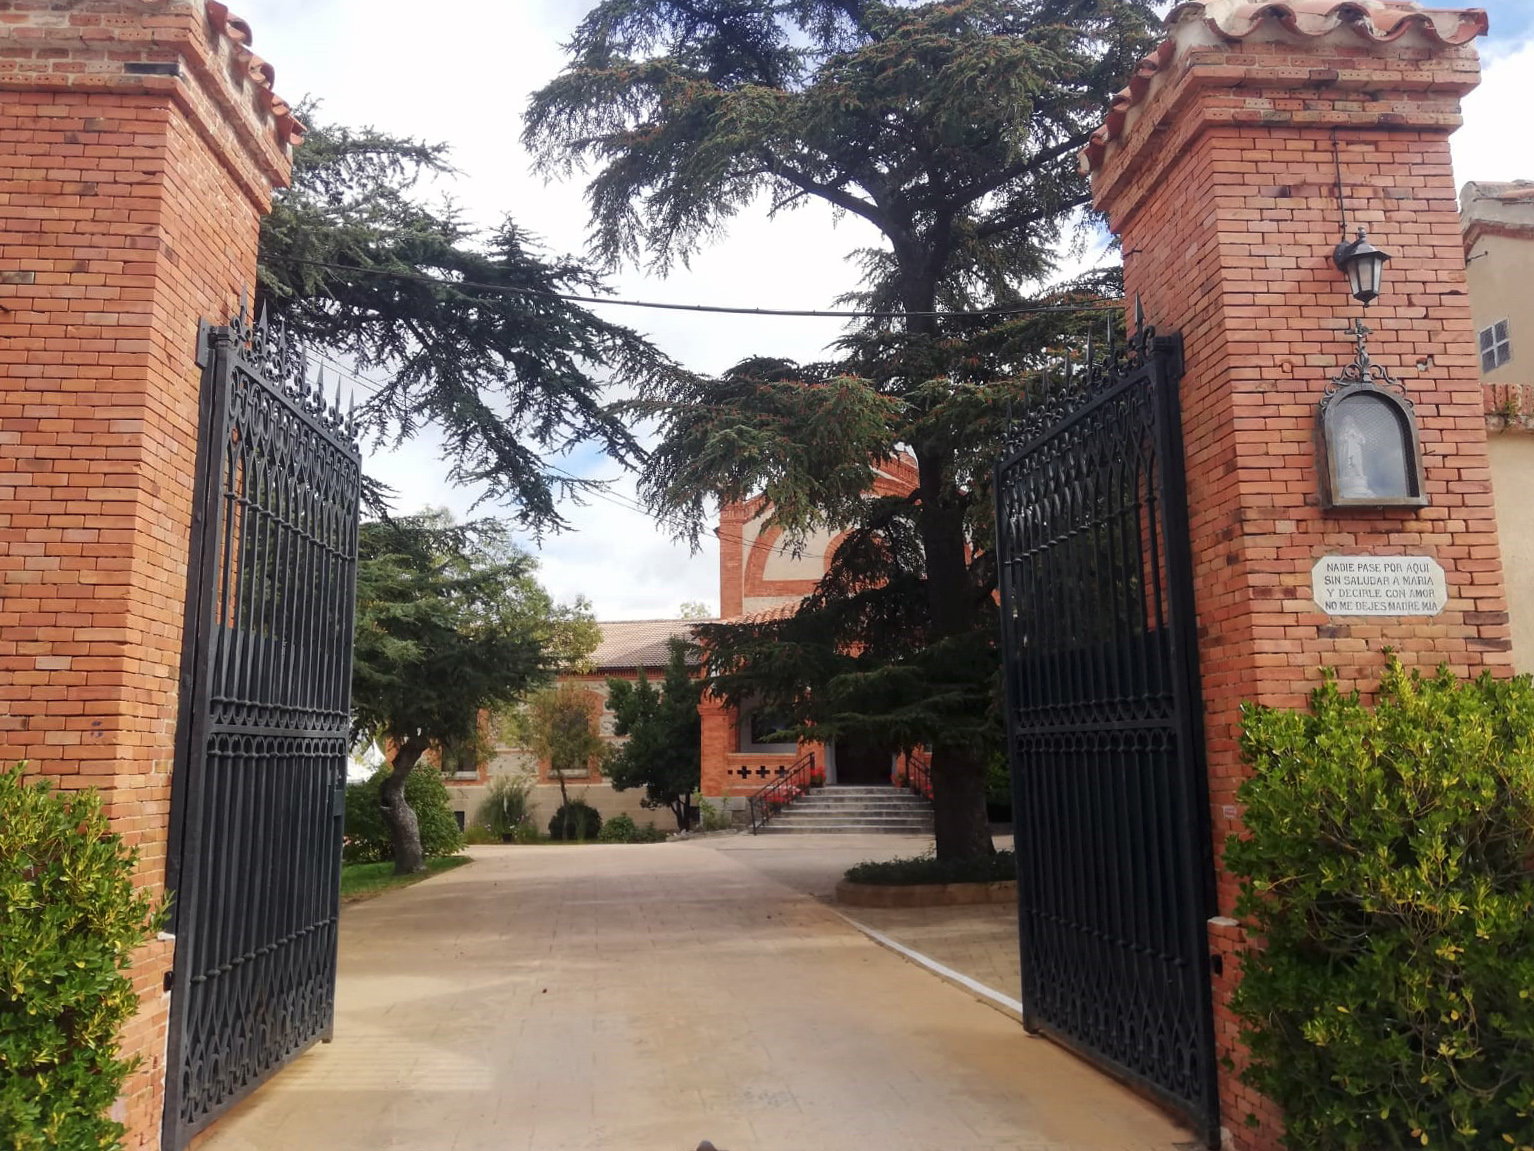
(854, 811)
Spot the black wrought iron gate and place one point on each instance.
(1114, 871)
(265, 711)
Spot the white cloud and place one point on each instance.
(1493, 143)
(463, 74)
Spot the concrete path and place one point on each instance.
(646, 997)
(977, 941)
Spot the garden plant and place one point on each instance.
(1387, 879)
(72, 919)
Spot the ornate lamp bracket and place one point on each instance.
(1369, 447)
(1363, 370)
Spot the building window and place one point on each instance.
(460, 759)
(1496, 347)
(756, 726)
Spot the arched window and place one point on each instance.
(1371, 454)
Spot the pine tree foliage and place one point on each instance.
(358, 265)
(663, 753)
(951, 128)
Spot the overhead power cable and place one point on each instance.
(596, 489)
(1112, 304)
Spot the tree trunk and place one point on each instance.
(564, 800)
(958, 773)
(958, 804)
(404, 829)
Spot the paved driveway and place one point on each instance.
(647, 997)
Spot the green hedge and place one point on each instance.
(576, 820)
(70, 920)
(623, 829)
(367, 835)
(1388, 863)
(999, 867)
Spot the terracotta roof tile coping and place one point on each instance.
(766, 614)
(289, 129)
(1377, 21)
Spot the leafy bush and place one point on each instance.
(507, 806)
(1388, 864)
(72, 920)
(576, 820)
(619, 829)
(711, 818)
(997, 868)
(367, 835)
(622, 829)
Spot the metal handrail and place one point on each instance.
(918, 773)
(782, 791)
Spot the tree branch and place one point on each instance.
(1010, 221)
(831, 194)
(1037, 160)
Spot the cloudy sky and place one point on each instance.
(460, 71)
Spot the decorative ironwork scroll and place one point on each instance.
(1104, 726)
(1072, 380)
(265, 718)
(1370, 449)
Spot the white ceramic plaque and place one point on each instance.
(1379, 585)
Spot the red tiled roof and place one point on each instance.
(263, 74)
(1378, 21)
(631, 643)
(767, 614)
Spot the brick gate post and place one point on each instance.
(1217, 170)
(141, 143)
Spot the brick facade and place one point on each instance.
(142, 145)
(1218, 173)
(752, 559)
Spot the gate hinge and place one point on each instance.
(202, 343)
(338, 803)
(1171, 347)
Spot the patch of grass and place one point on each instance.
(361, 881)
(923, 869)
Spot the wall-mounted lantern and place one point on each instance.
(1371, 454)
(1364, 266)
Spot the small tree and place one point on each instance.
(562, 729)
(663, 753)
(450, 623)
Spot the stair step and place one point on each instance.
(838, 823)
(836, 816)
(860, 810)
(777, 828)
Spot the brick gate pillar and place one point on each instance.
(140, 143)
(1217, 170)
